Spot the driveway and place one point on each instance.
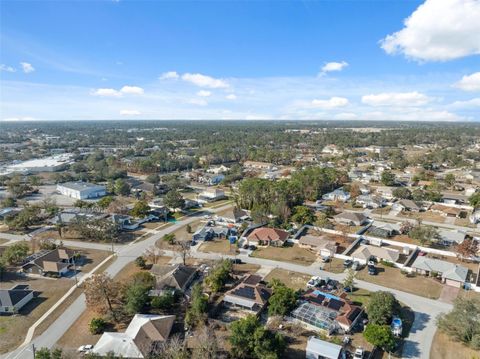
(449, 294)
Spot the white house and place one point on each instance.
(211, 195)
(81, 190)
(337, 195)
(321, 349)
(13, 299)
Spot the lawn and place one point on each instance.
(393, 278)
(293, 254)
(291, 279)
(445, 348)
(218, 246)
(334, 266)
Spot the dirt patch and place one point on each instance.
(291, 279)
(293, 254)
(219, 246)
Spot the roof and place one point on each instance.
(10, 297)
(447, 209)
(143, 331)
(251, 290)
(387, 226)
(451, 236)
(50, 260)
(173, 276)
(408, 203)
(351, 216)
(323, 348)
(365, 251)
(320, 242)
(82, 186)
(268, 234)
(449, 270)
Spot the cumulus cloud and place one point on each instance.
(231, 96)
(26, 67)
(130, 113)
(334, 66)
(396, 99)
(19, 119)
(132, 90)
(469, 82)
(438, 30)
(125, 90)
(169, 75)
(474, 102)
(204, 93)
(7, 68)
(204, 81)
(333, 102)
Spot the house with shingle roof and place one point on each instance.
(172, 277)
(249, 294)
(452, 274)
(364, 252)
(56, 261)
(13, 299)
(265, 236)
(323, 245)
(351, 218)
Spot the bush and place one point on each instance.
(140, 262)
(97, 326)
(165, 301)
(387, 264)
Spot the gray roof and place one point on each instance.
(448, 270)
(10, 297)
(451, 236)
(173, 276)
(323, 348)
(82, 186)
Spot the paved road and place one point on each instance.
(417, 345)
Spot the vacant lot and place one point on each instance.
(393, 278)
(218, 246)
(335, 266)
(293, 254)
(445, 348)
(291, 279)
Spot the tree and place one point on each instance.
(153, 178)
(303, 215)
(101, 293)
(140, 209)
(355, 190)
(382, 307)
(164, 301)
(219, 275)
(349, 281)
(387, 178)
(173, 199)
(136, 297)
(423, 234)
(28, 216)
(475, 200)
(183, 250)
(169, 238)
(140, 262)
(197, 308)
(463, 323)
(380, 336)
(121, 187)
(3, 267)
(97, 325)
(188, 228)
(9, 202)
(402, 192)
(104, 202)
(449, 179)
(322, 221)
(15, 253)
(45, 353)
(208, 346)
(17, 187)
(152, 254)
(468, 248)
(282, 301)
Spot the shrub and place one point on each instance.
(387, 264)
(140, 262)
(97, 325)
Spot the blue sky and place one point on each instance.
(381, 60)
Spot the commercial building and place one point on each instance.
(81, 190)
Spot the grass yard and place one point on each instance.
(245, 268)
(222, 246)
(293, 254)
(445, 348)
(393, 278)
(291, 279)
(334, 266)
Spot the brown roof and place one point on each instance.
(447, 209)
(317, 241)
(52, 261)
(268, 234)
(251, 289)
(172, 276)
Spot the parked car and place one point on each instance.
(236, 261)
(347, 263)
(372, 261)
(372, 270)
(245, 246)
(325, 259)
(85, 348)
(252, 247)
(314, 282)
(358, 353)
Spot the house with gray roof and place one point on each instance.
(452, 274)
(13, 299)
(172, 277)
(351, 218)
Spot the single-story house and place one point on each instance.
(337, 195)
(81, 190)
(13, 299)
(234, 215)
(385, 192)
(249, 294)
(323, 245)
(207, 233)
(448, 211)
(68, 216)
(144, 334)
(406, 205)
(454, 198)
(384, 229)
(321, 349)
(350, 218)
(172, 277)
(452, 274)
(56, 261)
(449, 238)
(364, 252)
(211, 195)
(369, 201)
(258, 165)
(265, 236)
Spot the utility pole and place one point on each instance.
(75, 269)
(33, 350)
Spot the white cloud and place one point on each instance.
(204, 93)
(396, 99)
(7, 68)
(469, 82)
(474, 102)
(198, 102)
(333, 102)
(438, 30)
(132, 90)
(414, 114)
(170, 75)
(106, 92)
(26, 67)
(334, 66)
(204, 81)
(231, 96)
(19, 119)
(130, 112)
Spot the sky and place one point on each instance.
(395, 60)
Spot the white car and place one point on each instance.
(358, 353)
(85, 348)
(313, 282)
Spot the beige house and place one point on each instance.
(323, 245)
(364, 252)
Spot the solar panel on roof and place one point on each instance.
(335, 304)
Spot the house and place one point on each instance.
(327, 312)
(351, 218)
(13, 299)
(337, 195)
(218, 170)
(172, 277)
(369, 201)
(406, 205)
(249, 294)
(385, 192)
(55, 262)
(9, 212)
(451, 274)
(364, 252)
(73, 215)
(448, 211)
(144, 334)
(323, 245)
(475, 217)
(454, 198)
(256, 165)
(207, 233)
(449, 238)
(384, 229)
(321, 349)
(211, 195)
(81, 190)
(233, 215)
(268, 236)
